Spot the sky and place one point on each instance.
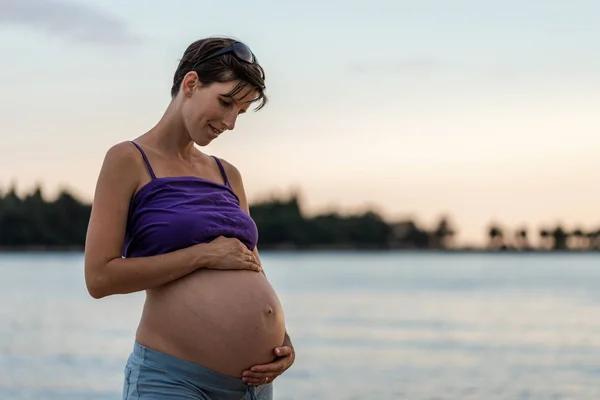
(482, 112)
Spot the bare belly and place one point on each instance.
(227, 321)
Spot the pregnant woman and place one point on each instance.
(173, 221)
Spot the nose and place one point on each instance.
(229, 120)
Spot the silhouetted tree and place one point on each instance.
(545, 239)
(408, 235)
(280, 222)
(496, 237)
(442, 235)
(522, 242)
(33, 222)
(560, 238)
(578, 239)
(593, 240)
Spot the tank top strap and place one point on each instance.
(222, 171)
(145, 159)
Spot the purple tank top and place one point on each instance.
(172, 213)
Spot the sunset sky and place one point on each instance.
(482, 112)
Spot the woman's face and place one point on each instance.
(207, 112)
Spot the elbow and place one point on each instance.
(96, 286)
(96, 293)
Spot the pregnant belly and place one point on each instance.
(223, 320)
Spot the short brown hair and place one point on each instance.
(224, 68)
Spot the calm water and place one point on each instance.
(365, 326)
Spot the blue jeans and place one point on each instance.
(151, 375)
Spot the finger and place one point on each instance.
(249, 262)
(252, 265)
(283, 351)
(256, 375)
(256, 382)
(259, 375)
(274, 367)
(260, 379)
(277, 366)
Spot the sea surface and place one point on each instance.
(366, 325)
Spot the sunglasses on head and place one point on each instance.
(239, 50)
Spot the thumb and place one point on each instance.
(282, 351)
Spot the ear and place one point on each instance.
(189, 83)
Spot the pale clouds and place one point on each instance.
(69, 20)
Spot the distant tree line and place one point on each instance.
(550, 238)
(32, 222)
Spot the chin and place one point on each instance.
(202, 141)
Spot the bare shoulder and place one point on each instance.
(124, 161)
(235, 180)
(123, 154)
(120, 174)
(233, 174)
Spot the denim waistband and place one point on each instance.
(193, 371)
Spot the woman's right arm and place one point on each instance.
(106, 272)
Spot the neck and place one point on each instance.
(170, 133)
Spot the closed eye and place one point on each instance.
(225, 104)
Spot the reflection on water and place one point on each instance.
(365, 326)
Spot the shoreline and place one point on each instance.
(319, 249)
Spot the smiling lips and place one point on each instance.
(215, 130)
